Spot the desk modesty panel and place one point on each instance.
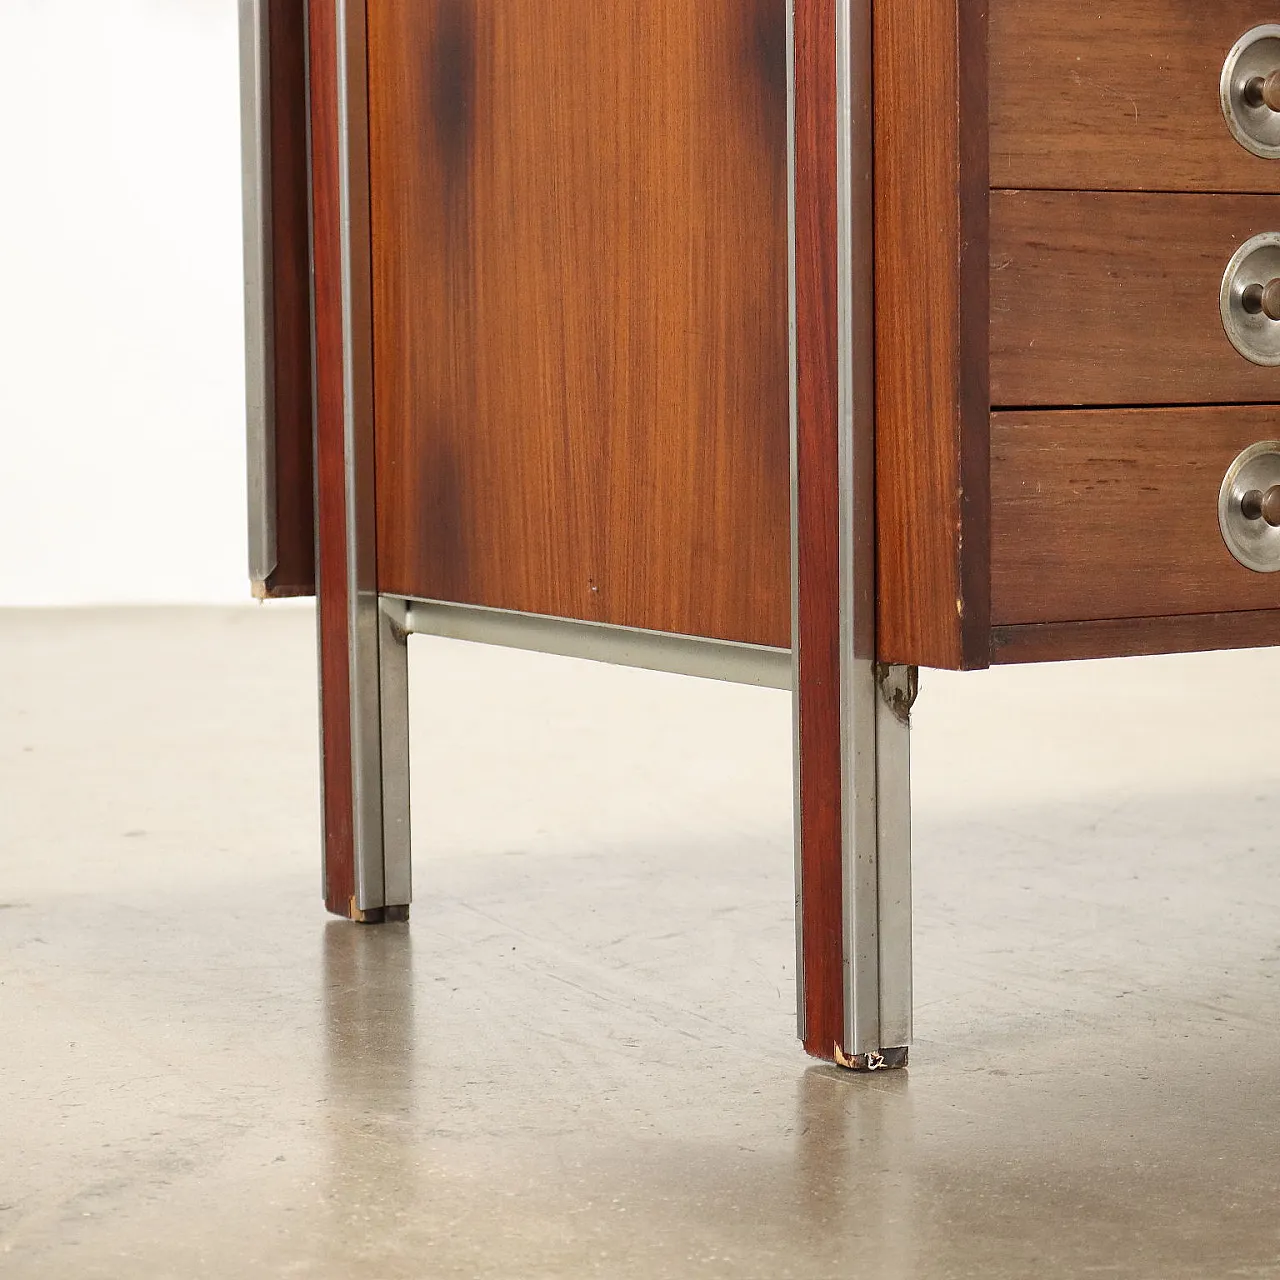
(579, 229)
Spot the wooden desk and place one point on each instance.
(801, 348)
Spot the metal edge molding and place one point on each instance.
(255, 173)
(897, 688)
(856, 443)
(393, 680)
(600, 642)
(363, 618)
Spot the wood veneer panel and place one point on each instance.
(1113, 299)
(1135, 637)
(1118, 96)
(820, 906)
(580, 278)
(294, 573)
(331, 555)
(931, 332)
(1110, 514)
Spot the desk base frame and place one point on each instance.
(852, 714)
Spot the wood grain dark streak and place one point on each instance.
(294, 573)
(1135, 637)
(441, 486)
(331, 541)
(450, 81)
(580, 328)
(765, 58)
(820, 907)
(932, 322)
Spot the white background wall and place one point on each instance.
(121, 362)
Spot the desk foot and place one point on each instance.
(885, 1060)
(379, 915)
(365, 762)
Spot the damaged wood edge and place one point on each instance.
(266, 591)
(377, 915)
(885, 1060)
(898, 693)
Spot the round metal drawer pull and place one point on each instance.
(1262, 299)
(1264, 91)
(1250, 301)
(1250, 91)
(1249, 507)
(1257, 505)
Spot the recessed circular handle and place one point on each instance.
(1249, 507)
(1250, 91)
(1250, 301)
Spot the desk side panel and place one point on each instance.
(580, 309)
(278, 298)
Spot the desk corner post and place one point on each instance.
(852, 714)
(362, 635)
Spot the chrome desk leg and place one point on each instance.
(853, 884)
(363, 674)
(365, 761)
(380, 759)
(393, 677)
(897, 688)
(875, 863)
(853, 875)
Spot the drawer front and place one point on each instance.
(1119, 96)
(1114, 299)
(1114, 514)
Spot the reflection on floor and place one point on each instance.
(578, 1058)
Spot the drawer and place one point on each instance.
(1114, 299)
(1114, 514)
(1119, 96)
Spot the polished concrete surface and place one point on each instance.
(578, 1059)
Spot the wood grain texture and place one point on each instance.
(1114, 514)
(1135, 637)
(931, 332)
(294, 573)
(331, 516)
(820, 907)
(580, 275)
(1118, 96)
(1113, 299)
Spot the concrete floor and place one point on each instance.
(578, 1059)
